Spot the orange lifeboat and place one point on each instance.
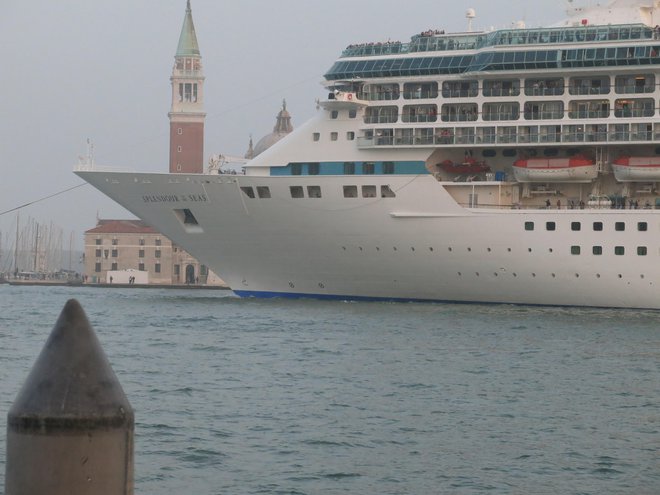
(637, 168)
(577, 168)
(469, 166)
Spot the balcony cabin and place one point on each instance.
(501, 87)
(544, 87)
(589, 85)
(460, 89)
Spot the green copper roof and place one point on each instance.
(188, 40)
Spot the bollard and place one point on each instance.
(70, 429)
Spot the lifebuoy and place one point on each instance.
(350, 96)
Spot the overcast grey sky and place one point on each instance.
(78, 69)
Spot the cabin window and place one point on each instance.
(296, 169)
(350, 136)
(575, 250)
(386, 192)
(314, 191)
(350, 191)
(368, 168)
(550, 226)
(598, 226)
(416, 91)
(334, 114)
(248, 191)
(619, 250)
(381, 115)
(529, 225)
(334, 136)
(313, 168)
(642, 226)
(619, 226)
(368, 191)
(349, 168)
(352, 113)
(597, 250)
(263, 192)
(388, 167)
(576, 226)
(641, 250)
(316, 136)
(296, 191)
(500, 87)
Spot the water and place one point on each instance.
(301, 397)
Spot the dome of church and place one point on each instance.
(282, 128)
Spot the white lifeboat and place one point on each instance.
(342, 100)
(577, 168)
(637, 168)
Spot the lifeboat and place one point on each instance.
(469, 166)
(637, 168)
(577, 168)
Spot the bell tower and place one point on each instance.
(187, 110)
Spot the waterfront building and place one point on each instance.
(131, 245)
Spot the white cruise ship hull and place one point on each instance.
(419, 246)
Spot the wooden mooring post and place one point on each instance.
(70, 429)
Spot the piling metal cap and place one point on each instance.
(71, 385)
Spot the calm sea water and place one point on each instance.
(302, 397)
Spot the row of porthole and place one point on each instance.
(553, 275)
(641, 250)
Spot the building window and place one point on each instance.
(619, 250)
(157, 267)
(550, 226)
(575, 250)
(179, 148)
(642, 226)
(177, 269)
(158, 242)
(115, 242)
(641, 250)
(157, 253)
(113, 266)
(141, 242)
(576, 226)
(97, 242)
(619, 226)
(334, 136)
(316, 136)
(97, 267)
(179, 131)
(350, 136)
(178, 167)
(597, 250)
(98, 253)
(529, 225)
(114, 253)
(141, 267)
(598, 226)
(141, 253)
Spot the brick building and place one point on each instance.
(131, 245)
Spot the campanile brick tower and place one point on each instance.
(186, 114)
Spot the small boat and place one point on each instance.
(469, 166)
(637, 168)
(577, 168)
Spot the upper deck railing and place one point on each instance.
(431, 41)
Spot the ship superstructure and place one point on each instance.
(511, 166)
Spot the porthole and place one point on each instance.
(508, 249)
(641, 276)
(534, 275)
(598, 275)
(377, 248)
(477, 273)
(529, 250)
(431, 249)
(496, 274)
(620, 276)
(394, 248)
(321, 285)
(291, 285)
(577, 275)
(450, 250)
(550, 250)
(344, 248)
(488, 249)
(412, 248)
(515, 275)
(460, 274)
(469, 250)
(553, 275)
(360, 248)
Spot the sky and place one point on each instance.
(74, 70)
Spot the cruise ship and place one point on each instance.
(516, 166)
